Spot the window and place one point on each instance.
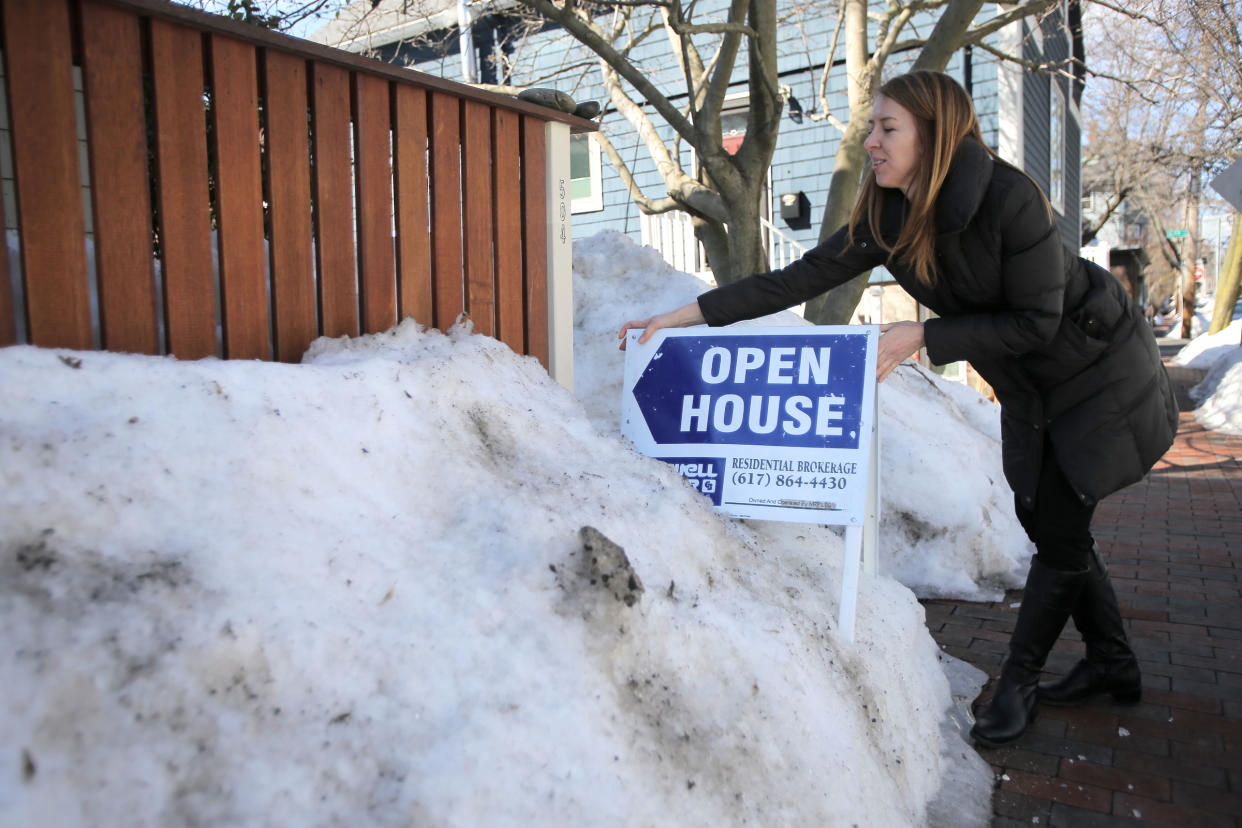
(1091, 204)
(733, 129)
(1056, 146)
(734, 116)
(586, 187)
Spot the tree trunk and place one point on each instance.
(1191, 226)
(746, 250)
(715, 240)
(836, 306)
(1188, 300)
(946, 37)
(736, 251)
(1229, 283)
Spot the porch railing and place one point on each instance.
(782, 248)
(672, 235)
(335, 195)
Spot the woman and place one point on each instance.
(1086, 407)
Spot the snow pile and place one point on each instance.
(1219, 394)
(1204, 351)
(361, 591)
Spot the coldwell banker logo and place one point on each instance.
(704, 473)
(794, 391)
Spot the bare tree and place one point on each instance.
(721, 191)
(1164, 113)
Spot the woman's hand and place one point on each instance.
(683, 317)
(897, 341)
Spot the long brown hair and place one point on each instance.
(945, 117)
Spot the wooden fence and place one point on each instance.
(250, 191)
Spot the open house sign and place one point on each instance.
(770, 423)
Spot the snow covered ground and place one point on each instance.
(370, 590)
(1218, 397)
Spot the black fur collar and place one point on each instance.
(964, 187)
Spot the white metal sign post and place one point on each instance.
(772, 423)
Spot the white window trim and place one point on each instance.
(1010, 137)
(1037, 31)
(594, 202)
(1056, 143)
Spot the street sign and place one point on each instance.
(1176, 234)
(1229, 184)
(773, 423)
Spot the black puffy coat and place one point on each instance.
(1056, 336)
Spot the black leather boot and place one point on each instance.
(1110, 666)
(1047, 601)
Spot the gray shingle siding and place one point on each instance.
(984, 93)
(1037, 92)
(1035, 102)
(1071, 220)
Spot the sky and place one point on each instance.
(368, 589)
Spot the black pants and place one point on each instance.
(1060, 523)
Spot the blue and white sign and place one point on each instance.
(771, 423)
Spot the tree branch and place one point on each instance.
(587, 33)
(975, 35)
(648, 206)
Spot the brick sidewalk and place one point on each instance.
(1173, 545)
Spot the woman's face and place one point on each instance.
(893, 144)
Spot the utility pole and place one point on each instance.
(1185, 263)
(1191, 225)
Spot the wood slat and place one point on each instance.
(239, 199)
(409, 122)
(120, 186)
(334, 214)
(373, 179)
(534, 237)
(295, 318)
(182, 193)
(446, 233)
(37, 54)
(507, 178)
(477, 216)
(8, 299)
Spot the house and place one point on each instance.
(1119, 245)
(1030, 118)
